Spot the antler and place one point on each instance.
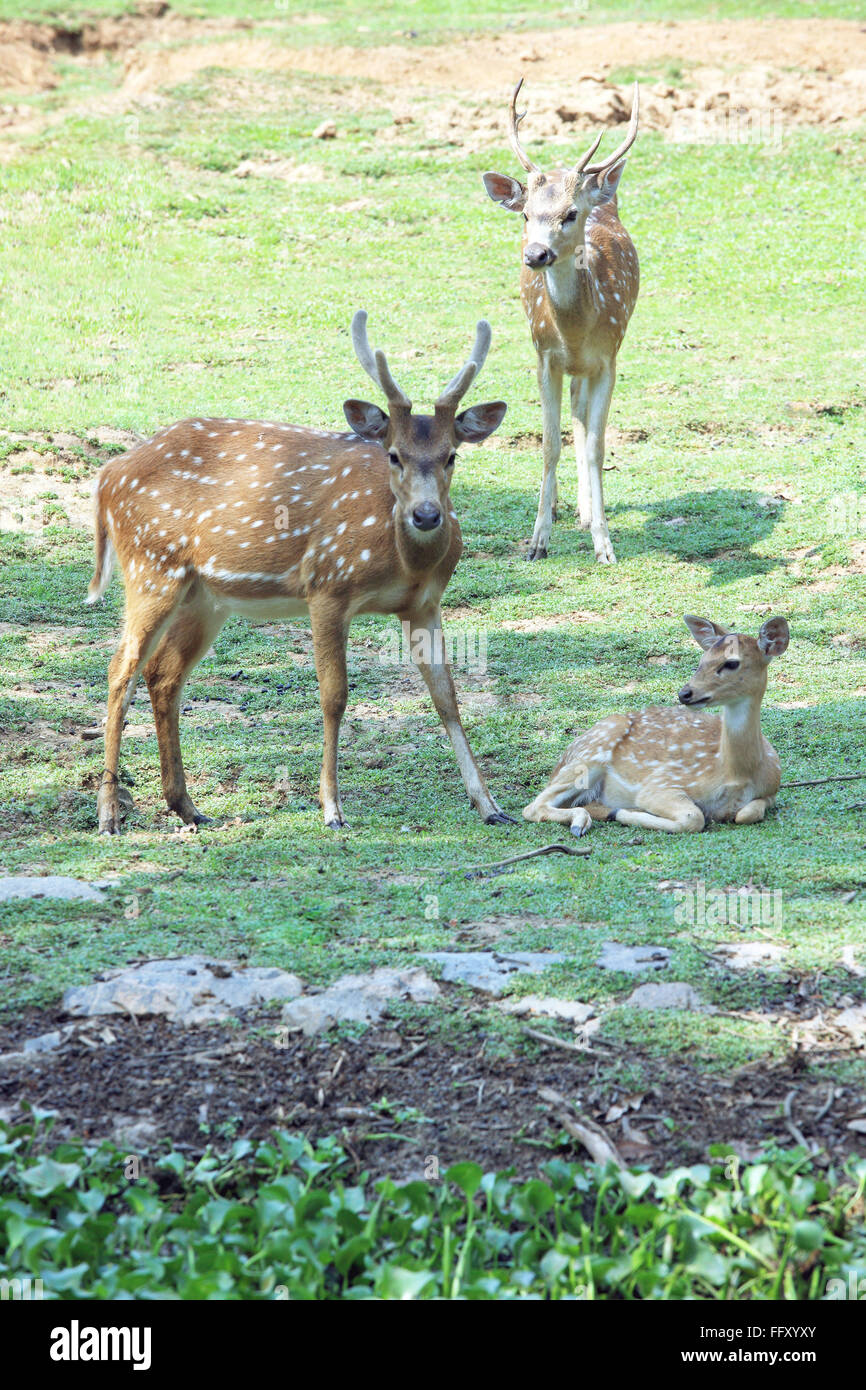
(513, 122)
(375, 363)
(459, 384)
(583, 167)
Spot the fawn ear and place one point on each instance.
(479, 421)
(774, 637)
(505, 190)
(704, 632)
(366, 420)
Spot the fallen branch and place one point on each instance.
(585, 1131)
(496, 867)
(841, 777)
(795, 1132)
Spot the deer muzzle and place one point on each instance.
(537, 256)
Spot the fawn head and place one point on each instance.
(555, 206)
(734, 666)
(421, 448)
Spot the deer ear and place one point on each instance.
(505, 190)
(704, 632)
(479, 421)
(602, 187)
(366, 420)
(774, 637)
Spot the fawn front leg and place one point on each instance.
(427, 645)
(330, 632)
(752, 812)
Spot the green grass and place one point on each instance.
(355, 21)
(284, 1220)
(143, 282)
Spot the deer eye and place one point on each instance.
(729, 666)
(570, 216)
(451, 460)
(394, 460)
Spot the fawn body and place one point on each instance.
(677, 768)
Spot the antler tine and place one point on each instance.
(513, 122)
(627, 143)
(375, 364)
(582, 162)
(460, 383)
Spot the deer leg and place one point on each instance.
(427, 645)
(579, 402)
(752, 812)
(664, 809)
(330, 633)
(550, 386)
(145, 621)
(600, 393)
(182, 647)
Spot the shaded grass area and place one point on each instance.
(143, 282)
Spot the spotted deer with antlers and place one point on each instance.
(578, 283)
(214, 517)
(677, 768)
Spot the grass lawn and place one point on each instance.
(142, 281)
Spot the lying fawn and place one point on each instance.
(675, 769)
(579, 283)
(214, 517)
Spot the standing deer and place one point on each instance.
(213, 517)
(579, 283)
(675, 769)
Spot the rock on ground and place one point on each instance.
(490, 970)
(671, 995)
(29, 886)
(190, 989)
(359, 998)
(569, 1009)
(632, 959)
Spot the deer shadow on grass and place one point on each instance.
(717, 530)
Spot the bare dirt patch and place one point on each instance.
(700, 79)
(48, 478)
(396, 1096)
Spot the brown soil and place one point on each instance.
(694, 73)
(204, 1083)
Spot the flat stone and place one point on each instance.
(360, 998)
(133, 1133)
(671, 995)
(632, 959)
(490, 970)
(190, 989)
(45, 1042)
(746, 955)
(569, 1009)
(853, 1020)
(29, 886)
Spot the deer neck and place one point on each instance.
(570, 287)
(741, 749)
(416, 556)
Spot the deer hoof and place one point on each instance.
(335, 824)
(499, 818)
(537, 553)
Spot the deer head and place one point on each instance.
(555, 206)
(734, 667)
(421, 448)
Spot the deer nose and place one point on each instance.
(685, 695)
(537, 255)
(426, 516)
